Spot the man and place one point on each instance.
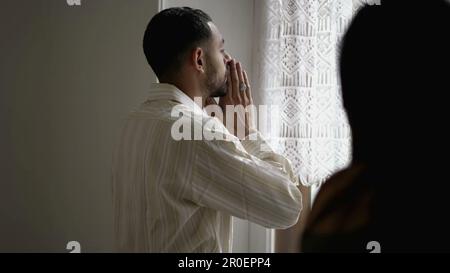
(179, 195)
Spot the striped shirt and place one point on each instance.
(180, 195)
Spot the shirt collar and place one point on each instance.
(165, 91)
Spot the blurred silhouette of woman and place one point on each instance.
(394, 68)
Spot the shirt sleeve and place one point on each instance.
(246, 181)
(257, 146)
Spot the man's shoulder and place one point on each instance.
(162, 111)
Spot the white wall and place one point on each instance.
(68, 76)
(234, 18)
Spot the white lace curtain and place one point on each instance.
(295, 68)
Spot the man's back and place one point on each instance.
(151, 171)
(175, 196)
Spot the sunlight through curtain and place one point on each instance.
(295, 69)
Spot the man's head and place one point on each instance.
(184, 40)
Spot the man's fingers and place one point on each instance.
(239, 72)
(248, 92)
(229, 84)
(234, 80)
(241, 79)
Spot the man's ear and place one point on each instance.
(198, 59)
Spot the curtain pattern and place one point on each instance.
(295, 66)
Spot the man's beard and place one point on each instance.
(215, 89)
(218, 90)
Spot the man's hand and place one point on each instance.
(239, 102)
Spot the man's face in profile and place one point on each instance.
(216, 59)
